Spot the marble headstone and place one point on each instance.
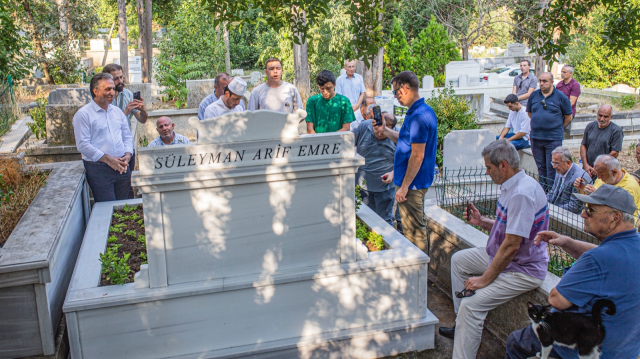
(237, 72)
(515, 49)
(462, 148)
(427, 82)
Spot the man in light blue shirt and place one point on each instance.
(219, 83)
(168, 136)
(351, 85)
(105, 142)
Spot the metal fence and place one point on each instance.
(461, 186)
(8, 105)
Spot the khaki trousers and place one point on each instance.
(414, 224)
(471, 311)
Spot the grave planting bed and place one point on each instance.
(374, 241)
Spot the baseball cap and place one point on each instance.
(610, 196)
(237, 86)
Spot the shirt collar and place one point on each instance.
(569, 170)
(512, 181)
(415, 105)
(97, 107)
(613, 237)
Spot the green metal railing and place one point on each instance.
(8, 106)
(465, 185)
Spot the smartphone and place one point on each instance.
(136, 96)
(377, 115)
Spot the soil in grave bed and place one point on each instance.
(126, 236)
(374, 241)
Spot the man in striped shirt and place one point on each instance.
(511, 263)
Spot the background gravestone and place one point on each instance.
(462, 148)
(256, 77)
(145, 93)
(198, 90)
(69, 96)
(237, 72)
(463, 80)
(515, 49)
(454, 69)
(427, 83)
(59, 122)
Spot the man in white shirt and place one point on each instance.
(351, 85)
(168, 136)
(363, 114)
(275, 94)
(105, 142)
(230, 101)
(219, 83)
(519, 121)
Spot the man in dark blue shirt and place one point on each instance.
(550, 112)
(608, 271)
(415, 157)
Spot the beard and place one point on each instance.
(119, 87)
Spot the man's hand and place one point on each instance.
(355, 107)
(387, 177)
(551, 237)
(117, 164)
(401, 194)
(473, 218)
(589, 189)
(590, 170)
(133, 105)
(126, 158)
(475, 283)
(379, 130)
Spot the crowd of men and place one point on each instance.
(399, 168)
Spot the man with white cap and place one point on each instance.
(229, 102)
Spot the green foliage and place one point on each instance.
(131, 233)
(367, 30)
(361, 230)
(397, 54)
(142, 239)
(128, 208)
(12, 46)
(627, 102)
(246, 43)
(376, 239)
(112, 239)
(141, 222)
(359, 195)
(453, 113)
(5, 190)
(39, 125)
(174, 73)
(434, 50)
(116, 269)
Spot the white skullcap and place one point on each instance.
(237, 86)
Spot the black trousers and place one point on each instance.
(106, 183)
(524, 344)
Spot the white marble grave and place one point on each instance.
(252, 253)
(462, 148)
(454, 69)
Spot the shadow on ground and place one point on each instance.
(440, 305)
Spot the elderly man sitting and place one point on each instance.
(165, 128)
(511, 264)
(608, 271)
(609, 172)
(567, 173)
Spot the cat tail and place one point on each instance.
(596, 311)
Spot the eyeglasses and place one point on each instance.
(555, 164)
(395, 92)
(544, 104)
(589, 211)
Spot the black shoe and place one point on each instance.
(399, 229)
(447, 332)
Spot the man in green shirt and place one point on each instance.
(329, 111)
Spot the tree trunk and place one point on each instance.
(227, 52)
(142, 39)
(122, 34)
(301, 65)
(106, 49)
(148, 12)
(62, 16)
(373, 75)
(37, 43)
(539, 61)
(465, 49)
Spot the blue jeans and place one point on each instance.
(541, 150)
(381, 203)
(524, 344)
(520, 144)
(107, 184)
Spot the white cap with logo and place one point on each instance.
(237, 86)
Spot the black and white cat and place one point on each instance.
(573, 330)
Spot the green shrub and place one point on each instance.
(174, 73)
(38, 115)
(432, 50)
(397, 55)
(627, 102)
(116, 269)
(376, 240)
(453, 113)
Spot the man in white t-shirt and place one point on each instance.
(275, 94)
(519, 121)
(351, 85)
(230, 101)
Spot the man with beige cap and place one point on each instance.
(229, 102)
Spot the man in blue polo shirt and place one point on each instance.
(550, 112)
(608, 271)
(415, 157)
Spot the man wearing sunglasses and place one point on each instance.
(606, 271)
(550, 111)
(525, 83)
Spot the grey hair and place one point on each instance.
(370, 107)
(628, 217)
(568, 67)
(564, 152)
(95, 79)
(502, 150)
(610, 162)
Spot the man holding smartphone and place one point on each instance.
(124, 99)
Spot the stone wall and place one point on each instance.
(59, 120)
(198, 90)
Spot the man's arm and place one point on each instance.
(585, 164)
(360, 99)
(82, 132)
(567, 119)
(573, 100)
(515, 89)
(517, 136)
(504, 132)
(558, 301)
(141, 115)
(614, 154)
(571, 246)
(345, 127)
(415, 162)
(310, 129)
(525, 96)
(506, 252)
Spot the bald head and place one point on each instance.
(546, 75)
(605, 112)
(546, 82)
(165, 128)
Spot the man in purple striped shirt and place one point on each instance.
(510, 264)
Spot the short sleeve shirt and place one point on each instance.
(284, 98)
(378, 155)
(351, 87)
(523, 85)
(122, 100)
(548, 123)
(178, 139)
(329, 115)
(420, 126)
(601, 141)
(570, 89)
(520, 122)
(609, 271)
(521, 210)
(629, 184)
